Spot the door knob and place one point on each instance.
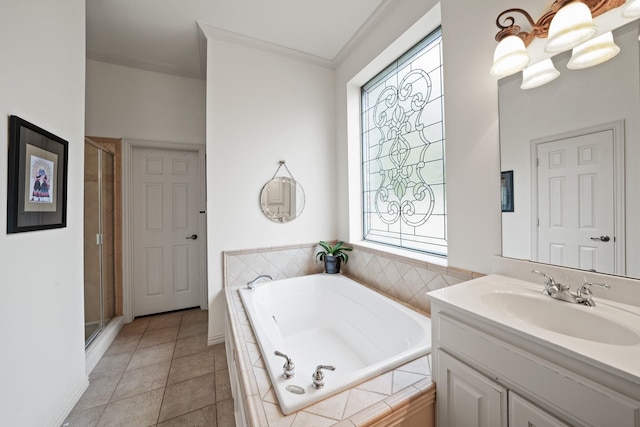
(192, 237)
(603, 238)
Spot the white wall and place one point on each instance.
(471, 121)
(261, 108)
(564, 105)
(42, 367)
(124, 102)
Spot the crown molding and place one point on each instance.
(364, 29)
(144, 64)
(217, 33)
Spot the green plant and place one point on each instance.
(338, 250)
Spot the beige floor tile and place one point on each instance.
(139, 410)
(187, 396)
(158, 336)
(151, 355)
(137, 327)
(225, 413)
(194, 315)
(86, 418)
(193, 328)
(165, 320)
(192, 366)
(142, 380)
(223, 385)
(99, 392)
(191, 345)
(111, 365)
(205, 417)
(220, 356)
(124, 344)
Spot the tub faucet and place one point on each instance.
(318, 375)
(252, 283)
(288, 369)
(554, 289)
(584, 293)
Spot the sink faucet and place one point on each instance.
(554, 289)
(252, 284)
(584, 293)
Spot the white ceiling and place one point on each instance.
(163, 35)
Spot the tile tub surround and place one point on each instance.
(362, 405)
(403, 279)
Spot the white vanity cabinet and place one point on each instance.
(471, 399)
(489, 375)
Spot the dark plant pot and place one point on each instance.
(332, 264)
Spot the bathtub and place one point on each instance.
(329, 319)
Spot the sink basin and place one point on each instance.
(560, 317)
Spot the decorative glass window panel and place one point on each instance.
(403, 152)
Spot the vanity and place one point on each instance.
(504, 354)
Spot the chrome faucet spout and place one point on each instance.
(554, 289)
(584, 293)
(252, 284)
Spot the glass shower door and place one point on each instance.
(99, 274)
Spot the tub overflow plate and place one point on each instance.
(295, 389)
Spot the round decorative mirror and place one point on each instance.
(282, 199)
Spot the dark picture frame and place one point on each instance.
(506, 191)
(37, 178)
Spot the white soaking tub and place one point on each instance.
(329, 319)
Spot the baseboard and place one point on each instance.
(215, 339)
(101, 343)
(71, 401)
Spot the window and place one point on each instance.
(403, 152)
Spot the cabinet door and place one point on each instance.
(523, 413)
(467, 398)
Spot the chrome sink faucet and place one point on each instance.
(584, 293)
(554, 289)
(252, 284)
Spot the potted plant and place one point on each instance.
(332, 255)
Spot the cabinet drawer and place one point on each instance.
(523, 413)
(559, 389)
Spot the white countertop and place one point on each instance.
(620, 360)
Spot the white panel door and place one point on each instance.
(576, 202)
(167, 273)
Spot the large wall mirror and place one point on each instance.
(574, 148)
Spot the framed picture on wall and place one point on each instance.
(37, 180)
(506, 191)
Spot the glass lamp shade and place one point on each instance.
(571, 26)
(509, 57)
(632, 10)
(539, 74)
(596, 51)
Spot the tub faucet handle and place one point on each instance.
(318, 375)
(288, 369)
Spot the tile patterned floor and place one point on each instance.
(159, 372)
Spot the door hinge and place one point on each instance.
(98, 239)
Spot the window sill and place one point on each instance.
(404, 253)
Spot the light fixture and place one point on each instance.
(632, 10)
(539, 74)
(509, 57)
(594, 52)
(571, 26)
(568, 24)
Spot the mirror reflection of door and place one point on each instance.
(576, 202)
